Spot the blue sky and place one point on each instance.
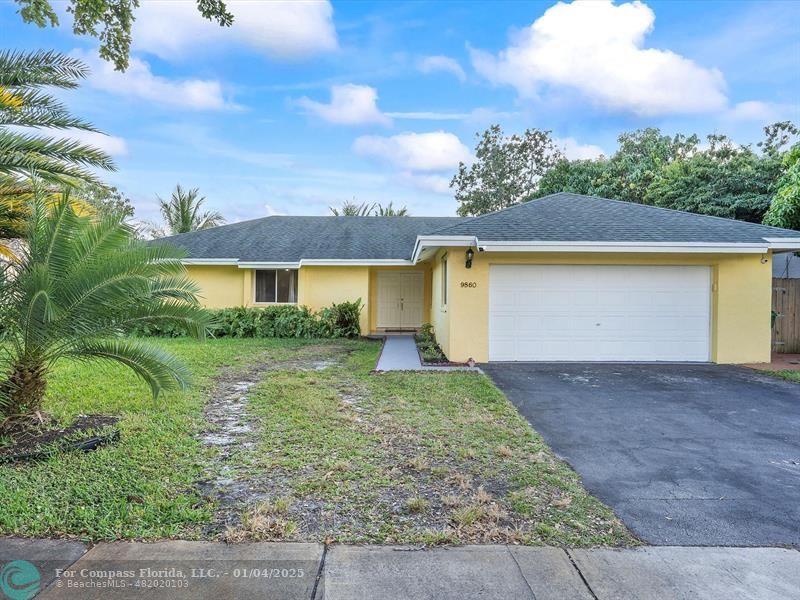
(304, 105)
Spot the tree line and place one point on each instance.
(717, 177)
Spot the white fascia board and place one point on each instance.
(356, 262)
(783, 243)
(269, 265)
(636, 247)
(325, 262)
(441, 241)
(210, 261)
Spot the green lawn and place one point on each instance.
(335, 453)
(139, 488)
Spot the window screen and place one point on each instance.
(276, 285)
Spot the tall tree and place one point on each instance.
(785, 208)
(506, 170)
(24, 104)
(79, 285)
(104, 199)
(109, 21)
(723, 180)
(182, 213)
(576, 176)
(640, 158)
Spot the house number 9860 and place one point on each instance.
(469, 284)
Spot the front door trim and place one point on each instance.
(400, 299)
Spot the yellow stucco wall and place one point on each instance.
(318, 287)
(741, 299)
(741, 295)
(220, 287)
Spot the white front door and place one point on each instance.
(599, 313)
(400, 299)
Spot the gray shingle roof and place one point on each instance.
(559, 217)
(567, 217)
(290, 239)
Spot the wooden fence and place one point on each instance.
(786, 308)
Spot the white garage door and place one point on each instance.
(597, 313)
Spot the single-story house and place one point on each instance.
(565, 277)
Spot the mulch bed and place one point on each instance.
(33, 439)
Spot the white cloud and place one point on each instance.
(439, 63)
(434, 151)
(271, 211)
(429, 116)
(596, 48)
(762, 112)
(574, 150)
(140, 82)
(475, 116)
(350, 105)
(284, 30)
(438, 184)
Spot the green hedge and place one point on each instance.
(285, 321)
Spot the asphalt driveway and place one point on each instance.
(685, 454)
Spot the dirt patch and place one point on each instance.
(229, 482)
(399, 489)
(31, 438)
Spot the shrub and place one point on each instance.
(342, 320)
(428, 347)
(284, 321)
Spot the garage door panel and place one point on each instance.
(599, 312)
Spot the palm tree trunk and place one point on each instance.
(23, 391)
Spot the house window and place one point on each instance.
(276, 285)
(444, 280)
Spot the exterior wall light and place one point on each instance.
(470, 254)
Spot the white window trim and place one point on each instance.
(445, 289)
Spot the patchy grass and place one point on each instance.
(141, 487)
(786, 374)
(335, 454)
(415, 458)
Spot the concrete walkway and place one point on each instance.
(400, 354)
(178, 570)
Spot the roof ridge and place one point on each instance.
(506, 209)
(621, 202)
(672, 210)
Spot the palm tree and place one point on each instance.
(182, 213)
(365, 209)
(15, 207)
(351, 209)
(390, 211)
(24, 105)
(79, 286)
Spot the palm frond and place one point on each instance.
(34, 108)
(20, 69)
(182, 212)
(161, 370)
(51, 159)
(79, 284)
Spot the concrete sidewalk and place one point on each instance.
(400, 353)
(178, 570)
